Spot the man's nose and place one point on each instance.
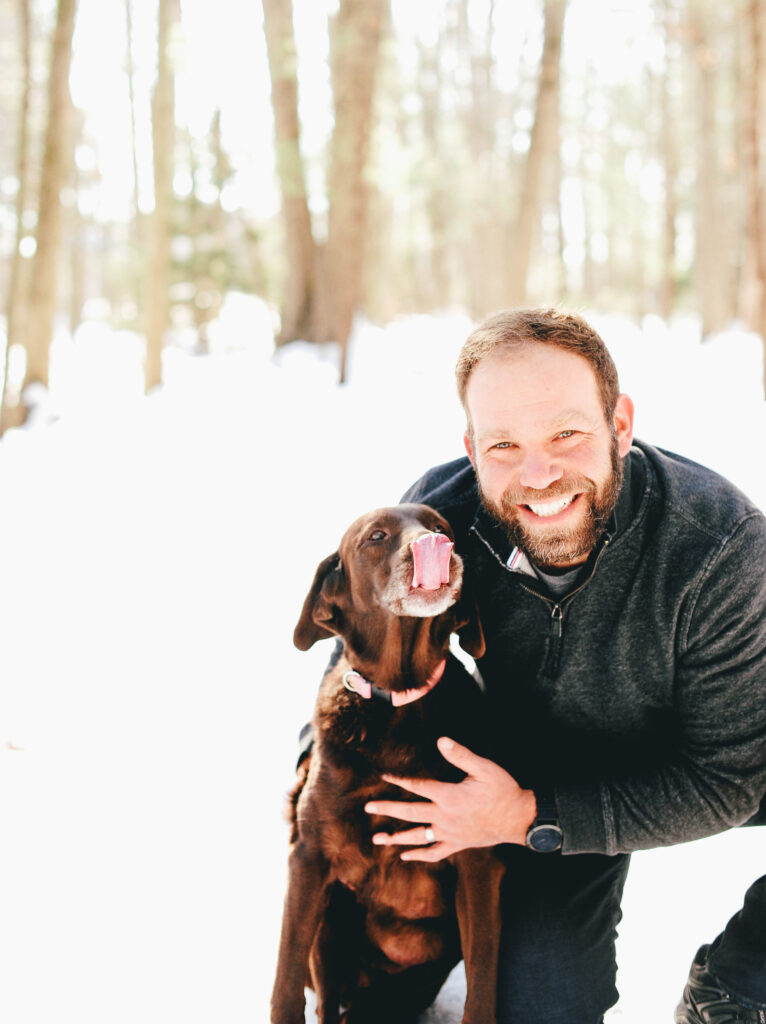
(539, 470)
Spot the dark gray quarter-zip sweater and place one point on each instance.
(640, 696)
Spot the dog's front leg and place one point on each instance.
(480, 873)
(335, 948)
(305, 902)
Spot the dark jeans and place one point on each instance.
(738, 956)
(560, 916)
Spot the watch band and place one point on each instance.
(544, 834)
(546, 808)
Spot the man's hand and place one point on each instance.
(488, 807)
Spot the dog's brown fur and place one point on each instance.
(362, 927)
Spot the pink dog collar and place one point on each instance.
(356, 683)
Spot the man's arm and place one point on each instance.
(715, 780)
(717, 776)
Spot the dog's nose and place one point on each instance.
(431, 554)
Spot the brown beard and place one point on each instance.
(568, 546)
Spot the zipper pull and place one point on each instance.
(556, 616)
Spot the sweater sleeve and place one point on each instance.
(717, 776)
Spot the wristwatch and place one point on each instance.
(544, 834)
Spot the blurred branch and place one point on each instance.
(16, 309)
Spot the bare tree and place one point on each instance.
(16, 308)
(484, 224)
(130, 74)
(755, 223)
(163, 138)
(440, 211)
(55, 169)
(299, 313)
(710, 260)
(669, 157)
(357, 32)
(542, 145)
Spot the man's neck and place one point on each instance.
(560, 580)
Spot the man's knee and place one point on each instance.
(557, 980)
(557, 959)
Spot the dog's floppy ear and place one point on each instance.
(468, 627)
(320, 617)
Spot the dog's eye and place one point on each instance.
(438, 528)
(377, 535)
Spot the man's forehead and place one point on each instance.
(554, 417)
(534, 376)
(554, 357)
(507, 413)
(511, 427)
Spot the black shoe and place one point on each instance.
(705, 1002)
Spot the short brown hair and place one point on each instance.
(515, 328)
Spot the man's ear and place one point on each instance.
(320, 616)
(623, 423)
(469, 448)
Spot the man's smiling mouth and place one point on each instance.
(545, 509)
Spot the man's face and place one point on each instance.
(549, 465)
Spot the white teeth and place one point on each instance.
(551, 508)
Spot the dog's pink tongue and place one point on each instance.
(431, 555)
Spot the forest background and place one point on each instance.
(210, 213)
(371, 157)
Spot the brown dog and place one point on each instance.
(366, 930)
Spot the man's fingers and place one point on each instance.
(430, 854)
(464, 758)
(415, 837)
(410, 837)
(404, 810)
(420, 787)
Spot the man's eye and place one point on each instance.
(567, 433)
(502, 444)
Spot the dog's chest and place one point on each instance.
(379, 878)
(376, 874)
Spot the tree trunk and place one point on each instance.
(55, 169)
(669, 157)
(477, 215)
(436, 284)
(130, 74)
(17, 308)
(163, 138)
(356, 37)
(710, 261)
(755, 224)
(542, 144)
(300, 291)
(76, 236)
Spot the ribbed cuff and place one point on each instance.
(581, 815)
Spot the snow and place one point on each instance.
(155, 553)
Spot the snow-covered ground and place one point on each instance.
(154, 556)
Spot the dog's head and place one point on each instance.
(397, 561)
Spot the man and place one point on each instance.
(623, 598)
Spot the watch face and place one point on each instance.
(545, 838)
